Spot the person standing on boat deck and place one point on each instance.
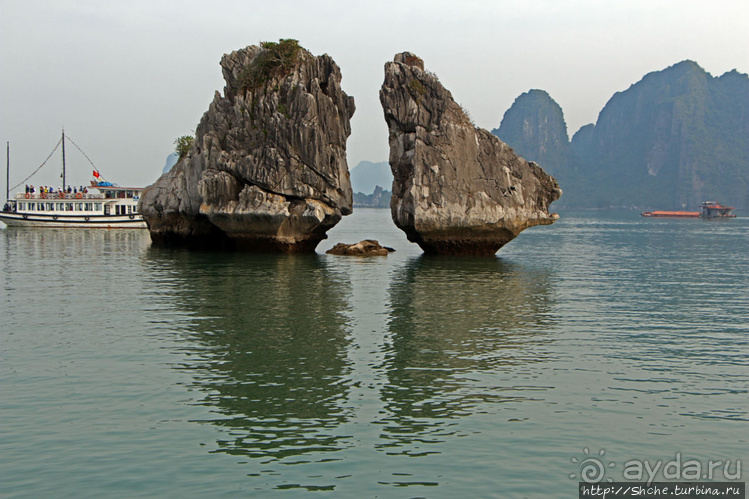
(27, 188)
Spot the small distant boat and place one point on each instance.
(100, 205)
(710, 209)
(672, 214)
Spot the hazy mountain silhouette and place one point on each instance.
(672, 140)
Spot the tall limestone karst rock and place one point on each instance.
(534, 127)
(267, 169)
(674, 139)
(457, 189)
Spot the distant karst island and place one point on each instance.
(673, 140)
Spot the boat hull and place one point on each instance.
(672, 214)
(66, 222)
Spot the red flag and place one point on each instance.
(96, 174)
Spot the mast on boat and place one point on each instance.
(7, 170)
(64, 186)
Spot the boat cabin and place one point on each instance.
(711, 209)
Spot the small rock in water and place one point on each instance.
(367, 247)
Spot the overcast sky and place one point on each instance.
(127, 78)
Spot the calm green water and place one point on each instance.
(128, 371)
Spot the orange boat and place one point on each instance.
(680, 214)
(710, 209)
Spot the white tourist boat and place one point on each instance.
(100, 205)
(110, 207)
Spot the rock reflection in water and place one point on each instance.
(267, 346)
(463, 333)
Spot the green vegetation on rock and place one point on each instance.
(276, 59)
(183, 145)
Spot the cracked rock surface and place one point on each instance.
(267, 169)
(457, 189)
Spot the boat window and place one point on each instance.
(97, 206)
(68, 206)
(40, 206)
(50, 206)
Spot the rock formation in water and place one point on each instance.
(457, 189)
(367, 247)
(267, 169)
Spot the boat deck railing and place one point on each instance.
(71, 197)
(58, 196)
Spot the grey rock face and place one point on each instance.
(267, 169)
(457, 189)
